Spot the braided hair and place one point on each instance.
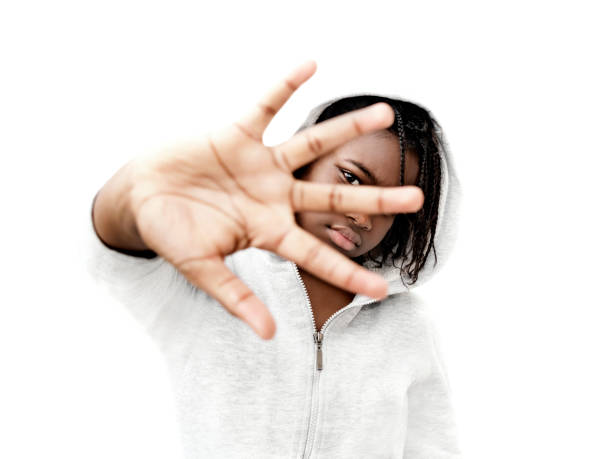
(411, 236)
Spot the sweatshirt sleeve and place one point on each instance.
(167, 306)
(431, 429)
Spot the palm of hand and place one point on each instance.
(205, 202)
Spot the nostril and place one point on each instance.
(361, 220)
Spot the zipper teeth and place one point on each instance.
(297, 273)
(339, 311)
(313, 413)
(314, 325)
(313, 419)
(315, 375)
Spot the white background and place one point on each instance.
(522, 90)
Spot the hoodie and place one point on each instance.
(370, 384)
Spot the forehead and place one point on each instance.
(378, 151)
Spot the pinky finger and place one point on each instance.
(213, 277)
(329, 264)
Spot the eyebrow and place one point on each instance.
(365, 170)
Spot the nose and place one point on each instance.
(363, 221)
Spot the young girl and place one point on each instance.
(316, 243)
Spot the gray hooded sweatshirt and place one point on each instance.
(371, 384)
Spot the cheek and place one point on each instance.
(383, 227)
(307, 220)
(386, 223)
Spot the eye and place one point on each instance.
(350, 177)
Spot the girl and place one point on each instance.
(360, 201)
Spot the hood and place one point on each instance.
(448, 213)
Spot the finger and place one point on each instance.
(309, 144)
(372, 200)
(254, 122)
(330, 265)
(213, 277)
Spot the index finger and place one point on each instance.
(319, 139)
(258, 118)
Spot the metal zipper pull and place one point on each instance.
(318, 338)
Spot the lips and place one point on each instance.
(344, 237)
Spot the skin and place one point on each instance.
(196, 203)
(379, 153)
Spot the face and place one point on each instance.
(372, 159)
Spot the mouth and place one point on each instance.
(343, 237)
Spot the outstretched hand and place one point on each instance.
(196, 204)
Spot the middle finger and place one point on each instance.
(322, 197)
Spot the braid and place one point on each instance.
(402, 142)
(429, 182)
(411, 236)
(417, 133)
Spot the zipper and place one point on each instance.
(318, 340)
(319, 335)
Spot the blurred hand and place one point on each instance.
(196, 204)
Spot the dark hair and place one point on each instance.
(411, 236)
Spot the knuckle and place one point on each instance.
(314, 144)
(280, 159)
(225, 282)
(190, 268)
(350, 276)
(267, 109)
(239, 300)
(332, 270)
(313, 253)
(290, 85)
(335, 198)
